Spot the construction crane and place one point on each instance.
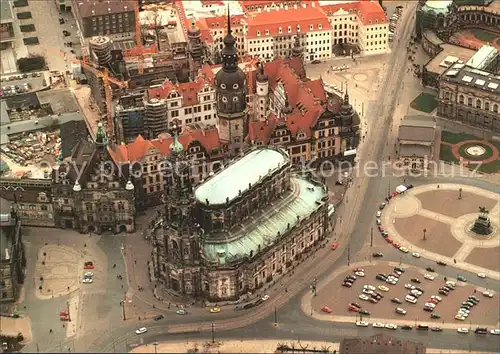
(138, 39)
(104, 75)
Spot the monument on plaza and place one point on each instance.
(482, 225)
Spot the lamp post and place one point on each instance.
(460, 193)
(155, 344)
(213, 332)
(425, 231)
(371, 237)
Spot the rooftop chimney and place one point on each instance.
(304, 6)
(313, 4)
(295, 6)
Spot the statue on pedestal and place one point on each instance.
(482, 225)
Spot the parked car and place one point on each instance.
(436, 329)
(400, 311)
(326, 309)
(430, 269)
(141, 330)
(441, 263)
(377, 255)
(362, 324)
(406, 327)
(415, 280)
(159, 317)
(463, 330)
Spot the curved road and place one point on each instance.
(363, 198)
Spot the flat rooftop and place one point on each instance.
(462, 54)
(5, 12)
(265, 229)
(228, 183)
(39, 123)
(61, 100)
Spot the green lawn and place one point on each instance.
(483, 35)
(455, 138)
(493, 167)
(425, 102)
(446, 154)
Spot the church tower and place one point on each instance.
(231, 94)
(179, 247)
(262, 94)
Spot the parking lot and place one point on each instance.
(35, 83)
(338, 297)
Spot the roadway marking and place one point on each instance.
(436, 216)
(463, 252)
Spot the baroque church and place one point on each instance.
(212, 244)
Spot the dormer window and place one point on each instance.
(320, 26)
(289, 29)
(311, 27)
(280, 30)
(267, 32)
(298, 28)
(376, 21)
(258, 33)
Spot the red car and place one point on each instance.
(434, 301)
(88, 267)
(334, 246)
(389, 240)
(326, 309)
(353, 308)
(347, 284)
(397, 245)
(380, 228)
(64, 313)
(64, 318)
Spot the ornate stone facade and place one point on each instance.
(213, 244)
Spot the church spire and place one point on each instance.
(229, 52)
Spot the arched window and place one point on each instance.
(495, 108)
(461, 99)
(469, 101)
(487, 105)
(478, 103)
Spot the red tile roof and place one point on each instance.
(211, 2)
(274, 19)
(221, 21)
(189, 90)
(246, 4)
(307, 95)
(136, 150)
(206, 36)
(371, 13)
(366, 10)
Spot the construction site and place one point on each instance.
(118, 74)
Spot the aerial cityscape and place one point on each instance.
(259, 176)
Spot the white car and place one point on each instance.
(463, 330)
(88, 274)
(367, 291)
(378, 325)
(416, 255)
(410, 299)
(451, 284)
(430, 304)
(391, 281)
(364, 297)
(409, 286)
(362, 324)
(481, 275)
(404, 249)
(383, 288)
(459, 317)
(391, 326)
(415, 292)
(495, 332)
(359, 274)
(438, 298)
(379, 214)
(428, 276)
(265, 297)
(369, 287)
(87, 280)
(488, 293)
(400, 311)
(141, 330)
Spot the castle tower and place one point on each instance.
(297, 49)
(196, 48)
(231, 93)
(262, 94)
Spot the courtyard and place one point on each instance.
(338, 297)
(445, 215)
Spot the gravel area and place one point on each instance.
(438, 234)
(446, 202)
(338, 297)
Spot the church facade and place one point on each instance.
(213, 244)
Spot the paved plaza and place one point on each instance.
(447, 220)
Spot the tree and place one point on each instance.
(31, 63)
(20, 337)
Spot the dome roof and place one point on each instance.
(261, 75)
(437, 6)
(227, 80)
(193, 31)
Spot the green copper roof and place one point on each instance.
(274, 220)
(247, 170)
(176, 147)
